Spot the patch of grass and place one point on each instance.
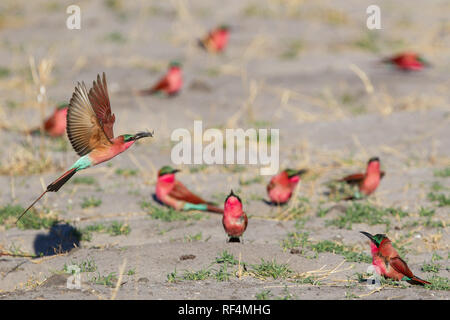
(322, 212)
(88, 265)
(223, 274)
(173, 276)
(110, 280)
(293, 49)
(84, 180)
(437, 186)
(365, 213)
(90, 202)
(441, 199)
(126, 172)
(345, 251)
(31, 220)
(271, 269)
(202, 274)
(443, 173)
(257, 179)
(264, 295)
(169, 214)
(193, 237)
(436, 257)
(369, 42)
(131, 272)
(198, 168)
(114, 229)
(295, 240)
(431, 267)
(438, 283)
(4, 72)
(226, 257)
(116, 37)
(426, 212)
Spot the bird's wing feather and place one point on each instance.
(180, 192)
(163, 83)
(98, 96)
(83, 128)
(400, 266)
(353, 178)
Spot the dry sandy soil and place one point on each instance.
(310, 68)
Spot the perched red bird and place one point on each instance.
(408, 61)
(90, 131)
(173, 193)
(234, 218)
(367, 182)
(283, 184)
(55, 125)
(169, 84)
(387, 262)
(216, 40)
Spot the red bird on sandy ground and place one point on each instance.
(408, 61)
(174, 194)
(387, 262)
(234, 219)
(55, 125)
(170, 84)
(283, 184)
(216, 40)
(367, 182)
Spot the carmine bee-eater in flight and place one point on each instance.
(387, 262)
(170, 84)
(283, 184)
(367, 182)
(408, 61)
(55, 125)
(216, 40)
(174, 194)
(90, 131)
(234, 219)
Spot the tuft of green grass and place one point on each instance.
(369, 42)
(271, 269)
(131, 272)
(116, 37)
(431, 267)
(202, 274)
(426, 212)
(31, 220)
(223, 274)
(110, 280)
(443, 173)
(193, 237)
(4, 72)
(264, 295)
(169, 214)
(114, 229)
(438, 283)
(88, 265)
(441, 199)
(336, 248)
(365, 213)
(226, 257)
(293, 49)
(126, 172)
(84, 180)
(173, 276)
(90, 202)
(295, 240)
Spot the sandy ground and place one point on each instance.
(289, 65)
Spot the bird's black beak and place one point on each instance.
(368, 235)
(141, 135)
(176, 170)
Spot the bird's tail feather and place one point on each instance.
(214, 209)
(58, 183)
(417, 280)
(52, 187)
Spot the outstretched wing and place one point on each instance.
(98, 96)
(180, 192)
(353, 178)
(83, 127)
(400, 266)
